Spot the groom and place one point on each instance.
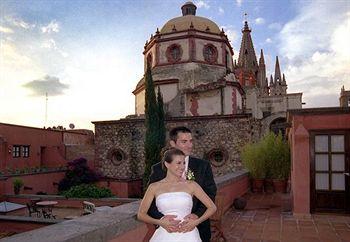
(181, 138)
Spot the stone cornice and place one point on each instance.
(188, 34)
(175, 119)
(156, 83)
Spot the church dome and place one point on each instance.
(188, 20)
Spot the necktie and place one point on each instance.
(186, 167)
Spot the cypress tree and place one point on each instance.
(152, 152)
(161, 117)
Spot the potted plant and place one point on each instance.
(267, 144)
(280, 164)
(253, 161)
(17, 185)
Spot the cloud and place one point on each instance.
(221, 11)
(49, 44)
(202, 4)
(6, 30)
(19, 22)
(231, 33)
(275, 26)
(317, 61)
(48, 84)
(239, 2)
(268, 40)
(259, 21)
(53, 26)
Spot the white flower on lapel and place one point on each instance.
(190, 175)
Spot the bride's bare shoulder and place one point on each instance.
(192, 184)
(155, 185)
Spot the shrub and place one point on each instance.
(17, 185)
(88, 191)
(253, 160)
(269, 158)
(77, 173)
(280, 164)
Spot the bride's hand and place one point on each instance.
(169, 223)
(188, 225)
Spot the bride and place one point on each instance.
(173, 196)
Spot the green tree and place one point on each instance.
(152, 151)
(161, 120)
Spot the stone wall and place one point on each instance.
(119, 144)
(81, 151)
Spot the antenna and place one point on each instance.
(46, 101)
(245, 17)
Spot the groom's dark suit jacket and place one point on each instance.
(204, 177)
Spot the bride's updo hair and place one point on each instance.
(168, 156)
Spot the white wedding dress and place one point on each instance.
(179, 204)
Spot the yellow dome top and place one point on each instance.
(184, 23)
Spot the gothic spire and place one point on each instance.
(278, 78)
(247, 58)
(271, 81)
(261, 71)
(261, 60)
(284, 83)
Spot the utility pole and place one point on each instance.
(46, 101)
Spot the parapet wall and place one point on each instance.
(119, 224)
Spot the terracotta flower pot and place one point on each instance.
(257, 185)
(268, 186)
(280, 185)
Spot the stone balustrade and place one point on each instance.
(120, 224)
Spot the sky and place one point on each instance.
(87, 54)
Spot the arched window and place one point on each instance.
(210, 53)
(279, 125)
(174, 53)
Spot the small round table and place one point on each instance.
(47, 208)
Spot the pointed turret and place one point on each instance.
(247, 66)
(261, 59)
(262, 75)
(283, 87)
(284, 83)
(278, 78)
(247, 58)
(272, 86)
(271, 81)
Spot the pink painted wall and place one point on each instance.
(69, 203)
(234, 190)
(123, 189)
(302, 124)
(47, 147)
(18, 227)
(44, 182)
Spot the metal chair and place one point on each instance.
(33, 209)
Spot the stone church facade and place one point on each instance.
(226, 104)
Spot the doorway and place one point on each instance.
(330, 188)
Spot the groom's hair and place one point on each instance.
(180, 129)
(168, 156)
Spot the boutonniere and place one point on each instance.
(190, 175)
